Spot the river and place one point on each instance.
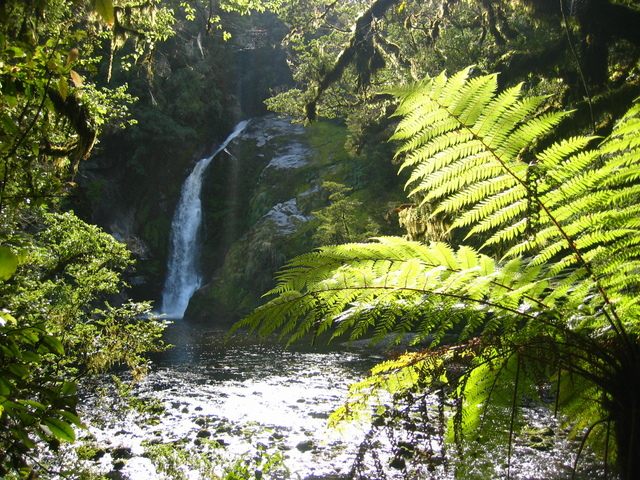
(258, 403)
(242, 393)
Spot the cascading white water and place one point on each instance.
(183, 277)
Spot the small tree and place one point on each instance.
(553, 298)
(57, 325)
(342, 221)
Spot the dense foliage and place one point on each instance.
(554, 297)
(344, 53)
(62, 311)
(556, 278)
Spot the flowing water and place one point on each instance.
(183, 277)
(250, 396)
(255, 397)
(241, 393)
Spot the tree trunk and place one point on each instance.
(625, 413)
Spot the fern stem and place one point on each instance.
(583, 443)
(512, 421)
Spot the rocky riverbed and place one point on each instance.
(212, 408)
(238, 400)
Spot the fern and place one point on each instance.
(549, 274)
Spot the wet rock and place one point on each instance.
(541, 447)
(406, 449)
(305, 445)
(90, 451)
(123, 453)
(152, 421)
(115, 475)
(224, 429)
(321, 415)
(203, 433)
(398, 463)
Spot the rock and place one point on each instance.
(320, 415)
(542, 447)
(305, 445)
(203, 433)
(285, 217)
(121, 453)
(224, 429)
(398, 463)
(115, 475)
(200, 421)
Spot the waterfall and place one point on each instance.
(183, 277)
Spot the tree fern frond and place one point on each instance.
(566, 157)
(524, 135)
(501, 217)
(472, 99)
(507, 234)
(474, 194)
(489, 206)
(566, 290)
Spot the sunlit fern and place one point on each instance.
(565, 221)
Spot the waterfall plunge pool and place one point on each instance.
(241, 393)
(250, 396)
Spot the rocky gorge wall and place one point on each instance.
(259, 195)
(279, 170)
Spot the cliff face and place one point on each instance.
(260, 199)
(190, 95)
(259, 203)
(259, 195)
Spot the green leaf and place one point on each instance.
(105, 10)
(8, 262)
(34, 404)
(63, 87)
(5, 388)
(53, 344)
(69, 388)
(60, 429)
(71, 418)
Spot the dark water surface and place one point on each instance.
(243, 392)
(248, 394)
